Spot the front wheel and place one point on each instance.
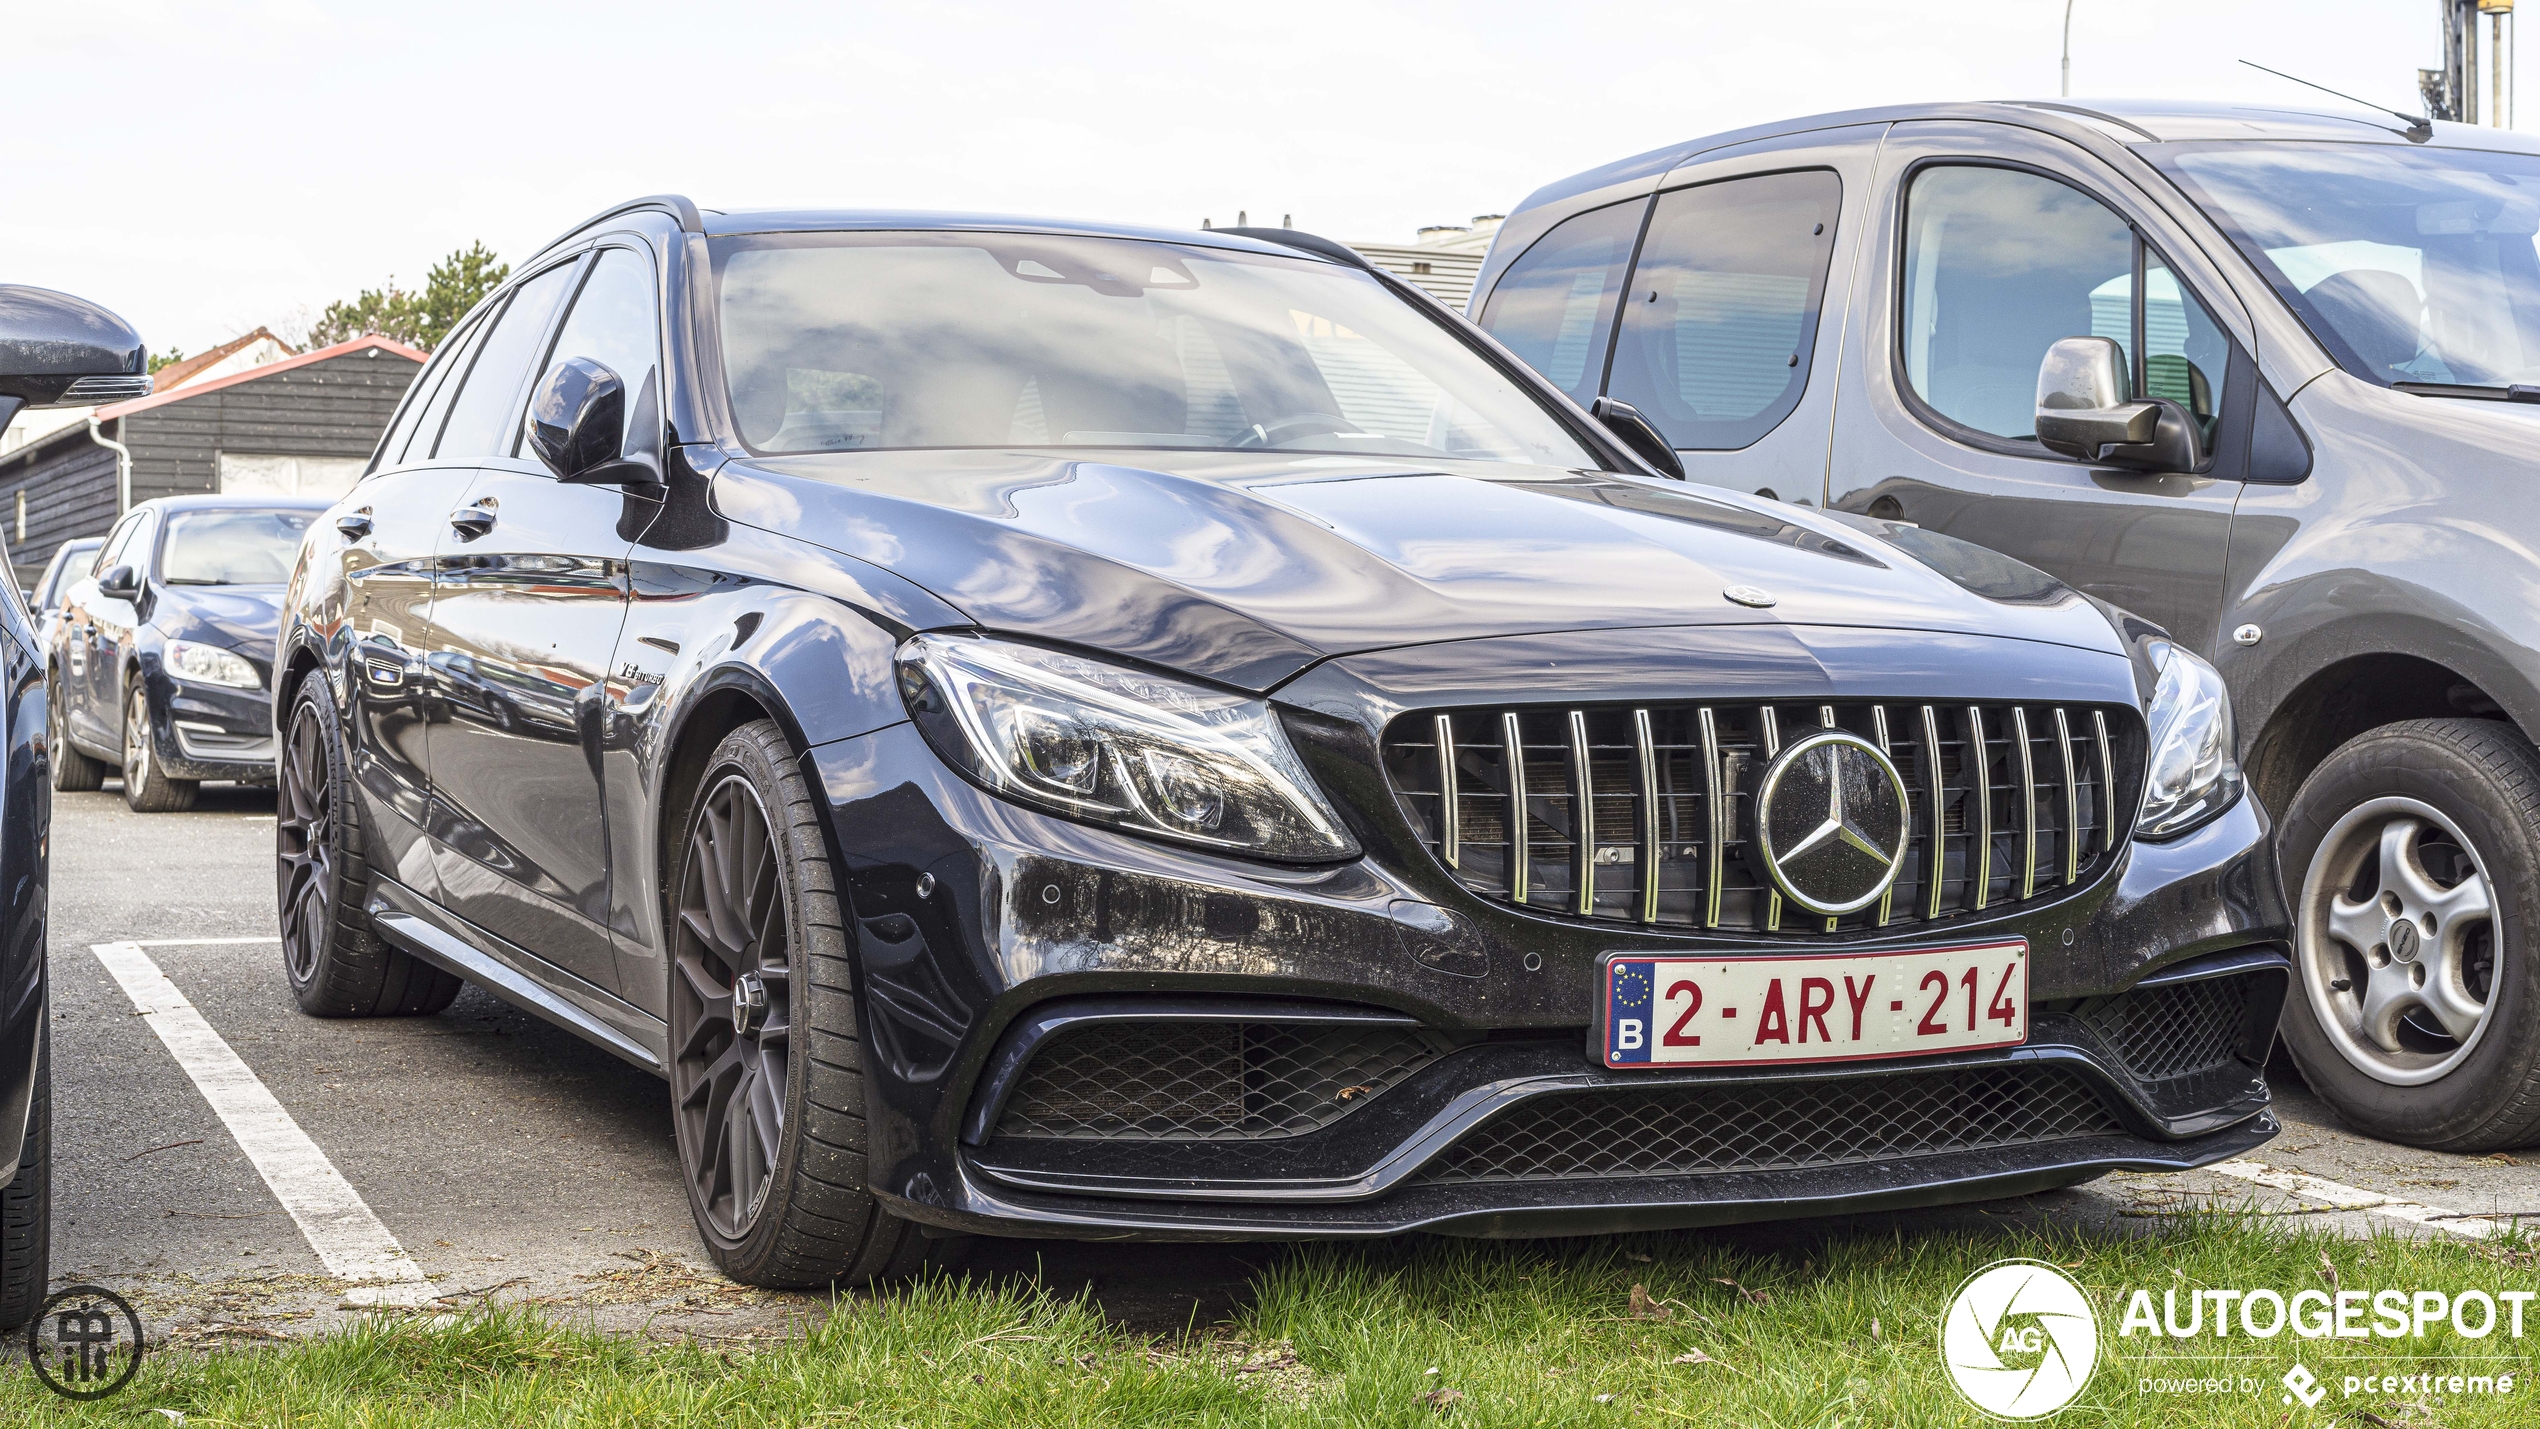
(767, 1069)
(146, 787)
(2414, 856)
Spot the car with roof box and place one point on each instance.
(1057, 729)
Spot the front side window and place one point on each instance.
(2001, 264)
(1721, 317)
(111, 554)
(2418, 265)
(867, 341)
(1554, 307)
(489, 396)
(231, 547)
(612, 325)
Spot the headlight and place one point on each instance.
(210, 665)
(1117, 746)
(2195, 769)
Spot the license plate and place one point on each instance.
(1839, 1007)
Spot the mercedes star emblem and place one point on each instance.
(1756, 596)
(1830, 822)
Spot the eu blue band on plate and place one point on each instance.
(1631, 992)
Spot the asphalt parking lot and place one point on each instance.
(513, 1162)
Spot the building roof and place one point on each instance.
(214, 384)
(177, 374)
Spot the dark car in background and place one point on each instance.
(2264, 376)
(55, 351)
(159, 659)
(71, 560)
(1042, 729)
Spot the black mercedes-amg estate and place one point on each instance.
(1045, 729)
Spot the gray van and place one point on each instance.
(2269, 377)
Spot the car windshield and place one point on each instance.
(231, 547)
(2412, 265)
(865, 341)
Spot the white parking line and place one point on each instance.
(2355, 1198)
(339, 1225)
(190, 942)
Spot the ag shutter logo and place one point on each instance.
(2020, 1339)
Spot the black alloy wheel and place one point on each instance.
(337, 964)
(146, 787)
(763, 1036)
(73, 772)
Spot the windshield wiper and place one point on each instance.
(2473, 391)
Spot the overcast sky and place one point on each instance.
(207, 167)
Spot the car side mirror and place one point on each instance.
(1637, 432)
(119, 583)
(577, 426)
(61, 351)
(2086, 410)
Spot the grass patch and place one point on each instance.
(1735, 1329)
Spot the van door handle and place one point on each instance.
(355, 526)
(472, 521)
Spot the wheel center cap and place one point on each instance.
(749, 1004)
(2403, 940)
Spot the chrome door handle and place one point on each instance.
(472, 521)
(355, 526)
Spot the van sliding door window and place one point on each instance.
(2001, 264)
(1554, 307)
(1720, 319)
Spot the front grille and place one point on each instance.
(1773, 1126)
(1207, 1081)
(2178, 1030)
(2004, 803)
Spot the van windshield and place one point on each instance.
(2411, 265)
(866, 341)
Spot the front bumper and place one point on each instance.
(1029, 916)
(211, 731)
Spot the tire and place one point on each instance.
(26, 1204)
(2412, 856)
(756, 905)
(338, 966)
(146, 786)
(73, 772)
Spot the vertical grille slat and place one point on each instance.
(1636, 815)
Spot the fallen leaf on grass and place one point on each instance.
(1693, 1357)
(1440, 1399)
(1758, 1298)
(1636, 1256)
(1874, 1329)
(2328, 1272)
(1646, 1307)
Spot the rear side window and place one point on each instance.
(481, 415)
(427, 383)
(1554, 307)
(2001, 264)
(1720, 320)
(444, 376)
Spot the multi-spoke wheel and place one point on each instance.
(147, 789)
(73, 772)
(763, 1038)
(2413, 857)
(337, 965)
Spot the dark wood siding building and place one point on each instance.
(306, 423)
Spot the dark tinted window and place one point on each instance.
(612, 324)
(480, 418)
(1554, 307)
(427, 383)
(444, 375)
(1721, 316)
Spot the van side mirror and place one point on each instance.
(2086, 410)
(61, 351)
(577, 426)
(1639, 433)
(119, 583)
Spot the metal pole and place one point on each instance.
(2496, 62)
(2068, 49)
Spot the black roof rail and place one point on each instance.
(1310, 243)
(676, 205)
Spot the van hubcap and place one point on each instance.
(2399, 941)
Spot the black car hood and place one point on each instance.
(1246, 568)
(244, 618)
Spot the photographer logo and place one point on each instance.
(85, 1343)
(2019, 1340)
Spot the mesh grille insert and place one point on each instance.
(1773, 1126)
(2174, 1031)
(1643, 815)
(1207, 1081)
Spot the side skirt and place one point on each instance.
(517, 976)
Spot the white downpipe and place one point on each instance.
(123, 466)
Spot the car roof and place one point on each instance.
(209, 501)
(840, 220)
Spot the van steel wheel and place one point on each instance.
(146, 787)
(338, 966)
(2413, 853)
(763, 1036)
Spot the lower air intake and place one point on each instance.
(1207, 1081)
(2180, 1030)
